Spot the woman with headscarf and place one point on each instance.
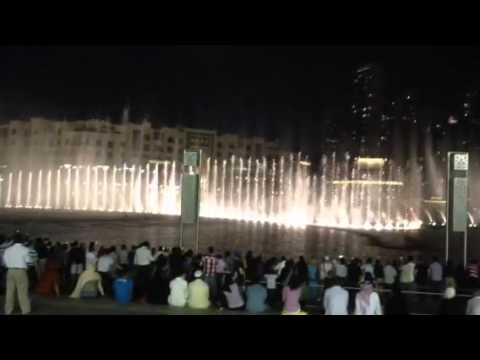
(367, 301)
(88, 284)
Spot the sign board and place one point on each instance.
(457, 207)
(190, 203)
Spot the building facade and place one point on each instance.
(371, 124)
(40, 142)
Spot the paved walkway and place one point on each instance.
(103, 306)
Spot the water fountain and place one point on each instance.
(343, 194)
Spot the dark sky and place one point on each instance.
(265, 90)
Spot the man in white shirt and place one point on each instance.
(367, 268)
(143, 255)
(435, 273)
(143, 259)
(389, 274)
(105, 267)
(325, 267)
(16, 258)
(341, 270)
(123, 256)
(407, 274)
(178, 291)
(473, 305)
(335, 300)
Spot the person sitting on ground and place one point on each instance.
(123, 288)
(158, 286)
(367, 301)
(335, 300)
(49, 283)
(88, 284)
(256, 297)
(291, 296)
(473, 305)
(396, 303)
(198, 292)
(451, 304)
(233, 299)
(178, 290)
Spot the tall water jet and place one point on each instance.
(18, 199)
(8, 202)
(57, 189)
(49, 190)
(39, 191)
(29, 190)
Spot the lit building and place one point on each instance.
(371, 124)
(40, 142)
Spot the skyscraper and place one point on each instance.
(371, 124)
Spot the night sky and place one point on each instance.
(270, 91)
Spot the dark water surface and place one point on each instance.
(269, 240)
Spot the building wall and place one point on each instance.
(40, 142)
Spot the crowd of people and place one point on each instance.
(226, 280)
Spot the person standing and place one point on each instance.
(209, 266)
(123, 256)
(91, 255)
(341, 270)
(143, 260)
(407, 274)
(390, 275)
(105, 269)
(435, 273)
(368, 268)
(16, 259)
(335, 300)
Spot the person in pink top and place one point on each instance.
(291, 296)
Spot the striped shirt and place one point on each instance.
(209, 264)
(473, 271)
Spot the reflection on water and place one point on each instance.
(266, 239)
